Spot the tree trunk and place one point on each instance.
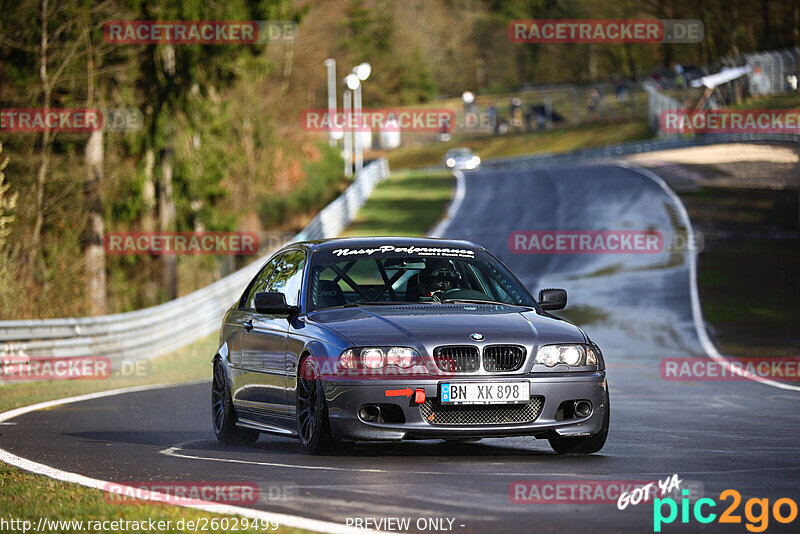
(166, 217)
(767, 27)
(149, 221)
(44, 161)
(166, 204)
(94, 253)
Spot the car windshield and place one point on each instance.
(461, 153)
(391, 274)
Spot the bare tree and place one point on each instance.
(47, 82)
(94, 253)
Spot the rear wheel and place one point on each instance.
(313, 428)
(588, 445)
(223, 413)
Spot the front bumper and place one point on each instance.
(346, 398)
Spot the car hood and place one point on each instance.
(426, 326)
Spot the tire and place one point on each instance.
(313, 428)
(223, 415)
(588, 445)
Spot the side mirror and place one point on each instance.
(273, 304)
(552, 299)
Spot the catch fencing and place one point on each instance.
(771, 73)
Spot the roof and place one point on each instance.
(372, 242)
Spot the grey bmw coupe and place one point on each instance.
(393, 338)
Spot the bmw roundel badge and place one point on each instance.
(476, 336)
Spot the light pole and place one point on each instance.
(333, 133)
(351, 83)
(361, 72)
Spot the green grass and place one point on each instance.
(563, 139)
(788, 101)
(30, 497)
(27, 496)
(748, 282)
(408, 204)
(192, 362)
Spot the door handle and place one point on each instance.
(248, 325)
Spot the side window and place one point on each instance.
(259, 283)
(288, 276)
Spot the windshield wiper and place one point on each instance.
(375, 303)
(478, 301)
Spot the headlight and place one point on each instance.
(574, 355)
(451, 162)
(378, 357)
(401, 356)
(347, 360)
(372, 358)
(591, 355)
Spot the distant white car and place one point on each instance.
(461, 159)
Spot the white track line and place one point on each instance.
(455, 205)
(283, 520)
(697, 312)
(325, 526)
(178, 451)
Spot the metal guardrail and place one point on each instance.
(158, 330)
(658, 103)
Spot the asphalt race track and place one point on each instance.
(718, 435)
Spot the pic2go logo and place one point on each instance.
(757, 522)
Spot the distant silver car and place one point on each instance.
(461, 159)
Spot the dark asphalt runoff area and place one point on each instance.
(716, 435)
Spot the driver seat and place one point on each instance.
(329, 294)
(413, 292)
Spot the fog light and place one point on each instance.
(583, 408)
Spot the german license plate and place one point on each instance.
(484, 392)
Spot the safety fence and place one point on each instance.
(773, 72)
(769, 73)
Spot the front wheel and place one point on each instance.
(588, 445)
(313, 428)
(223, 413)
